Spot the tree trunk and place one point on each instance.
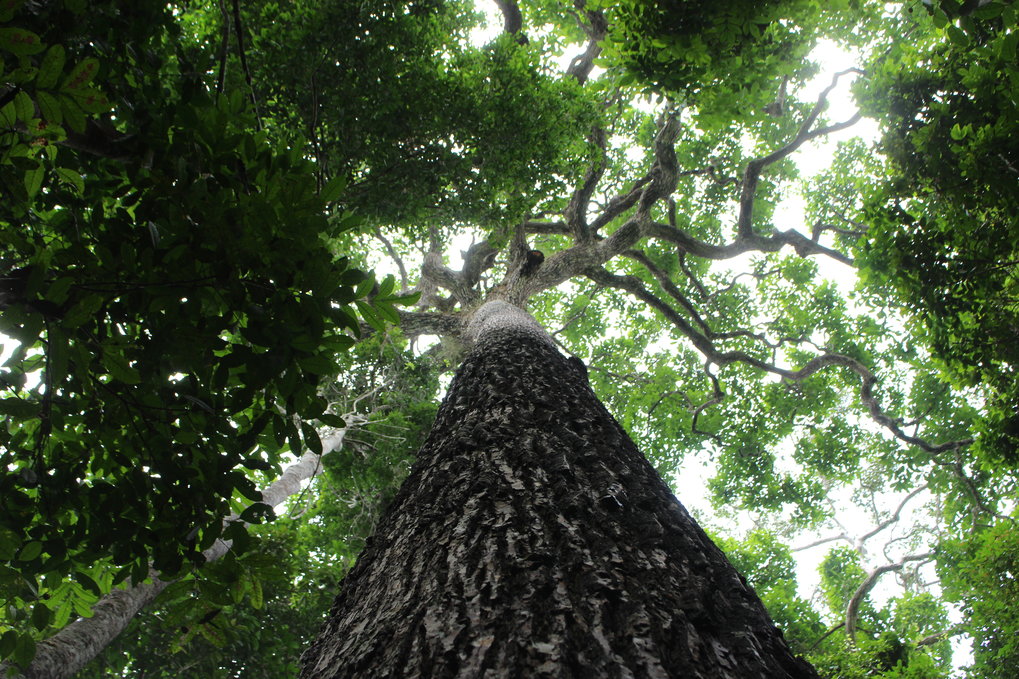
(533, 539)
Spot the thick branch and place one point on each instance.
(853, 608)
(596, 27)
(415, 323)
(576, 210)
(744, 223)
(620, 204)
(512, 19)
(704, 344)
(750, 242)
(478, 259)
(434, 270)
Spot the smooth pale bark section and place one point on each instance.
(77, 644)
(532, 539)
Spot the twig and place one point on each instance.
(239, 30)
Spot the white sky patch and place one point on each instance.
(490, 28)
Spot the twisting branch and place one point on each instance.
(894, 517)
(665, 172)
(956, 468)
(620, 204)
(803, 245)
(576, 211)
(858, 543)
(853, 607)
(596, 27)
(706, 346)
(748, 190)
(667, 284)
(716, 397)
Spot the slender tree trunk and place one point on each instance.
(532, 539)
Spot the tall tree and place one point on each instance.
(639, 209)
(533, 539)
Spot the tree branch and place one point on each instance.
(895, 515)
(596, 27)
(706, 346)
(391, 251)
(748, 189)
(853, 607)
(434, 270)
(575, 213)
(415, 323)
(512, 19)
(239, 31)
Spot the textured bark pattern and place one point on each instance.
(532, 539)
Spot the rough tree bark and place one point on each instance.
(533, 539)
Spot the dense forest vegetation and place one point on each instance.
(239, 242)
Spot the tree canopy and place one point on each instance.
(235, 233)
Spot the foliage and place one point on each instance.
(979, 574)
(427, 130)
(172, 299)
(179, 178)
(943, 228)
(252, 616)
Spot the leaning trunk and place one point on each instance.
(533, 539)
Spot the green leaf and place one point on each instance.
(49, 108)
(73, 115)
(18, 408)
(69, 176)
(387, 286)
(81, 75)
(370, 316)
(311, 438)
(119, 368)
(7, 10)
(33, 181)
(957, 36)
(386, 311)
(23, 107)
(333, 189)
(86, 581)
(257, 513)
(318, 364)
(40, 616)
(90, 100)
(30, 551)
(20, 41)
(8, 116)
(332, 420)
(8, 641)
(25, 650)
(255, 595)
(1007, 47)
(51, 67)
